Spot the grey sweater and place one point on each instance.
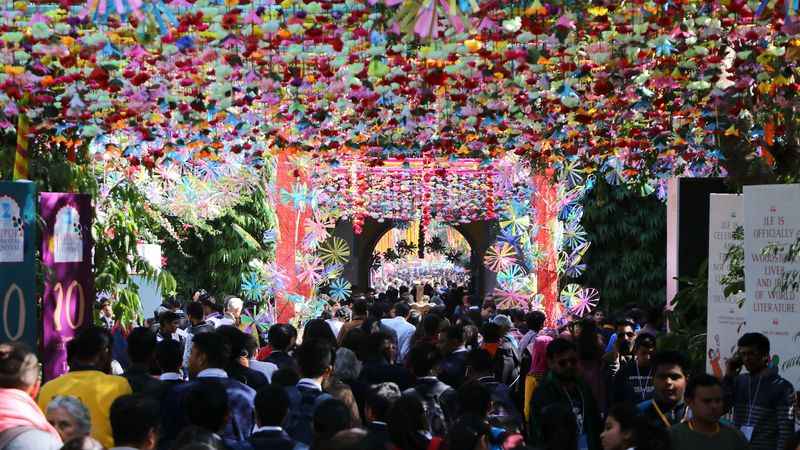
(771, 415)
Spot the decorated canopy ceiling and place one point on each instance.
(633, 91)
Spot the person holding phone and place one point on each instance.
(760, 399)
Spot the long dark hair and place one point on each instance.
(407, 421)
(588, 342)
(645, 435)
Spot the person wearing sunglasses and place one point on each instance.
(618, 351)
(634, 381)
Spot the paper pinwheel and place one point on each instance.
(510, 277)
(569, 295)
(334, 251)
(585, 301)
(252, 287)
(339, 289)
(499, 257)
(309, 270)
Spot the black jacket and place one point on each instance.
(453, 369)
(270, 440)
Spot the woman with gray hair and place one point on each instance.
(69, 416)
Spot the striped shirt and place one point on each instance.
(765, 403)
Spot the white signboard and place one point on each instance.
(12, 234)
(67, 236)
(772, 216)
(725, 314)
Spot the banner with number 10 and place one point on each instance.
(69, 286)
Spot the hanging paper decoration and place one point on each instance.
(585, 301)
(334, 251)
(339, 289)
(499, 257)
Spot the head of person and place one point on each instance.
(623, 426)
(272, 405)
(209, 304)
(400, 309)
(379, 401)
(169, 356)
(347, 367)
(234, 306)
(598, 317)
(91, 347)
(469, 433)
(451, 338)
(475, 398)
(235, 339)
(466, 301)
(193, 437)
(559, 427)
(194, 311)
(644, 347)
(589, 342)
(431, 324)
(318, 329)
(168, 322)
(381, 347)
(504, 322)
(330, 417)
(562, 359)
(360, 308)
(704, 396)
(406, 421)
(105, 308)
(19, 368)
(625, 331)
(315, 359)
(82, 443)
(488, 310)
(69, 416)
(479, 363)
(423, 359)
(280, 337)
(142, 345)
(285, 377)
(670, 375)
(206, 405)
(754, 351)
(134, 421)
(535, 321)
(209, 351)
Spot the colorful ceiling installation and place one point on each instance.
(634, 91)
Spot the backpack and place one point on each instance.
(300, 419)
(431, 400)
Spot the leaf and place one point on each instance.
(246, 237)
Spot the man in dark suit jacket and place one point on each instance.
(281, 338)
(380, 399)
(272, 404)
(141, 350)
(453, 368)
(210, 354)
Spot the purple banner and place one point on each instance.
(69, 286)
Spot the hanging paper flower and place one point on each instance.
(334, 251)
(316, 232)
(511, 299)
(499, 257)
(586, 301)
(309, 270)
(339, 289)
(569, 295)
(252, 287)
(510, 277)
(574, 235)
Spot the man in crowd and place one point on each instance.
(169, 323)
(210, 356)
(141, 351)
(380, 399)
(22, 424)
(667, 408)
(282, 339)
(272, 405)
(704, 431)
(377, 369)
(315, 358)
(439, 399)
(106, 314)
(237, 367)
(454, 365)
(197, 324)
(481, 370)
(535, 322)
(398, 323)
(618, 351)
(634, 381)
(761, 400)
(360, 309)
(134, 422)
(89, 380)
(169, 356)
(563, 386)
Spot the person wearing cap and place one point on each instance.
(634, 381)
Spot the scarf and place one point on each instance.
(17, 409)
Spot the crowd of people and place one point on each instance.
(383, 373)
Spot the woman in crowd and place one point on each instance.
(69, 416)
(625, 429)
(408, 425)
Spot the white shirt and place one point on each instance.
(212, 373)
(267, 368)
(171, 376)
(176, 336)
(404, 331)
(258, 429)
(309, 383)
(336, 326)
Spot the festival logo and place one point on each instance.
(12, 232)
(67, 244)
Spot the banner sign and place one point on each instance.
(69, 286)
(772, 217)
(725, 314)
(18, 262)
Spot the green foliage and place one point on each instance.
(688, 318)
(733, 281)
(215, 257)
(627, 258)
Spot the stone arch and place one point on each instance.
(479, 235)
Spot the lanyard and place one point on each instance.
(571, 406)
(661, 415)
(639, 381)
(751, 399)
